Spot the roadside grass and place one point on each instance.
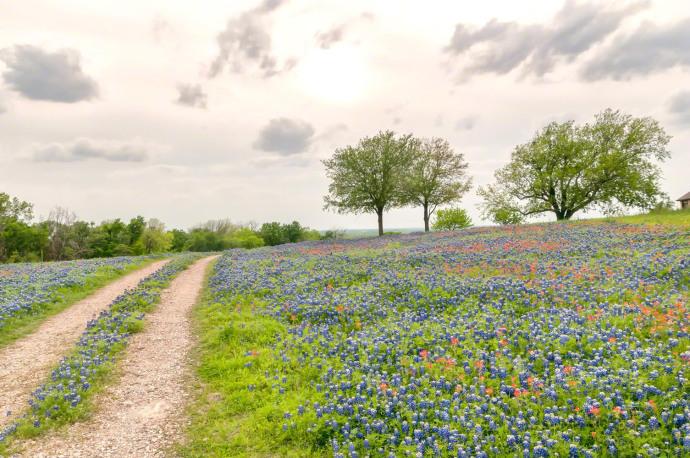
(63, 298)
(236, 410)
(104, 340)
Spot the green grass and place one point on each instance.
(64, 298)
(679, 218)
(236, 411)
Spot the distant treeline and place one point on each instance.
(62, 236)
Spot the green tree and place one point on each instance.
(608, 164)
(452, 219)
(437, 176)
(245, 238)
(78, 241)
(136, 228)
(367, 177)
(154, 238)
(12, 211)
(292, 232)
(111, 238)
(273, 234)
(179, 240)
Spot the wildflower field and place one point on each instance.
(568, 340)
(31, 291)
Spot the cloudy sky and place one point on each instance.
(187, 113)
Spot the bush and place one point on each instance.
(451, 219)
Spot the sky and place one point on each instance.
(185, 113)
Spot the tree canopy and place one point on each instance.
(608, 164)
(367, 177)
(437, 176)
(452, 219)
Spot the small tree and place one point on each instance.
(436, 177)
(452, 219)
(154, 238)
(566, 168)
(367, 178)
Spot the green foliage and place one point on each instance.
(452, 219)
(437, 176)
(273, 234)
(609, 164)
(367, 177)
(179, 240)
(154, 238)
(245, 238)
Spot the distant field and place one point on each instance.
(568, 339)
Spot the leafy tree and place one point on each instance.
(565, 168)
(245, 238)
(273, 234)
(154, 238)
(12, 211)
(292, 232)
(179, 240)
(452, 219)
(136, 228)
(13, 208)
(78, 240)
(111, 238)
(367, 178)
(437, 176)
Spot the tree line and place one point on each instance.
(610, 164)
(62, 236)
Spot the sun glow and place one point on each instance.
(336, 75)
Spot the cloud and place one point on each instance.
(285, 136)
(336, 34)
(84, 149)
(679, 106)
(501, 47)
(191, 95)
(42, 75)
(245, 40)
(651, 48)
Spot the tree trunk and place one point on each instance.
(379, 213)
(426, 217)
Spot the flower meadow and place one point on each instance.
(27, 289)
(568, 340)
(62, 398)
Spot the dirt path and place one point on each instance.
(142, 414)
(27, 362)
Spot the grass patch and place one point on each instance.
(679, 218)
(63, 298)
(236, 410)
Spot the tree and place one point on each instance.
(436, 177)
(293, 232)
(367, 178)
(273, 234)
(154, 238)
(58, 226)
(136, 228)
(566, 168)
(452, 219)
(179, 240)
(12, 211)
